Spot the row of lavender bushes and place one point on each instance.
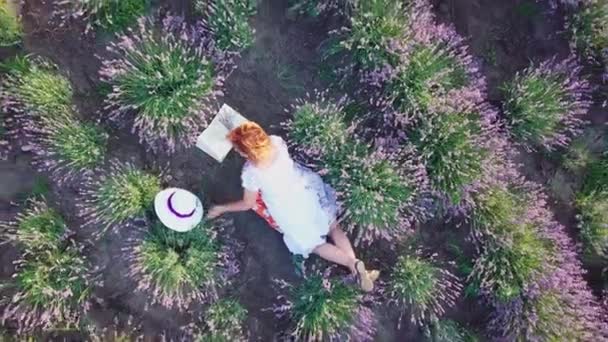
(427, 96)
(585, 160)
(40, 116)
(587, 24)
(10, 34)
(381, 203)
(166, 82)
(10, 24)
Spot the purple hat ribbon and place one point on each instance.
(175, 212)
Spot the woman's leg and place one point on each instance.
(341, 240)
(334, 254)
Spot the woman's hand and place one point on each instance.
(248, 202)
(216, 211)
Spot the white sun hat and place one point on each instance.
(178, 209)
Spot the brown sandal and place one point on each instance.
(365, 282)
(373, 275)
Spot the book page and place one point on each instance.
(213, 140)
(230, 118)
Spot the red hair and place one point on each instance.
(252, 140)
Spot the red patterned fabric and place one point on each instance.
(262, 210)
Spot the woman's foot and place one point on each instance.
(365, 282)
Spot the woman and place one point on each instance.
(293, 199)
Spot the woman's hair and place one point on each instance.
(252, 140)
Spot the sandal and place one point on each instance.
(365, 282)
(373, 275)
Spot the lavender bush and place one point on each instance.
(551, 313)
(428, 72)
(36, 229)
(229, 22)
(67, 147)
(179, 268)
(589, 27)
(50, 287)
(544, 104)
(324, 309)
(506, 269)
(592, 203)
(424, 290)
(447, 330)
(451, 149)
(42, 98)
(123, 194)
(579, 154)
(50, 290)
(434, 64)
(378, 197)
(570, 308)
(375, 28)
(109, 15)
(593, 222)
(10, 24)
(128, 331)
(543, 318)
(596, 178)
(167, 78)
(316, 8)
(225, 319)
(513, 255)
(35, 87)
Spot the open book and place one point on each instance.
(213, 140)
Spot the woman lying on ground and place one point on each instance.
(293, 199)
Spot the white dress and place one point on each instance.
(300, 203)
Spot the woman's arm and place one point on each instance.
(247, 203)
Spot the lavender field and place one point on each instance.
(466, 140)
